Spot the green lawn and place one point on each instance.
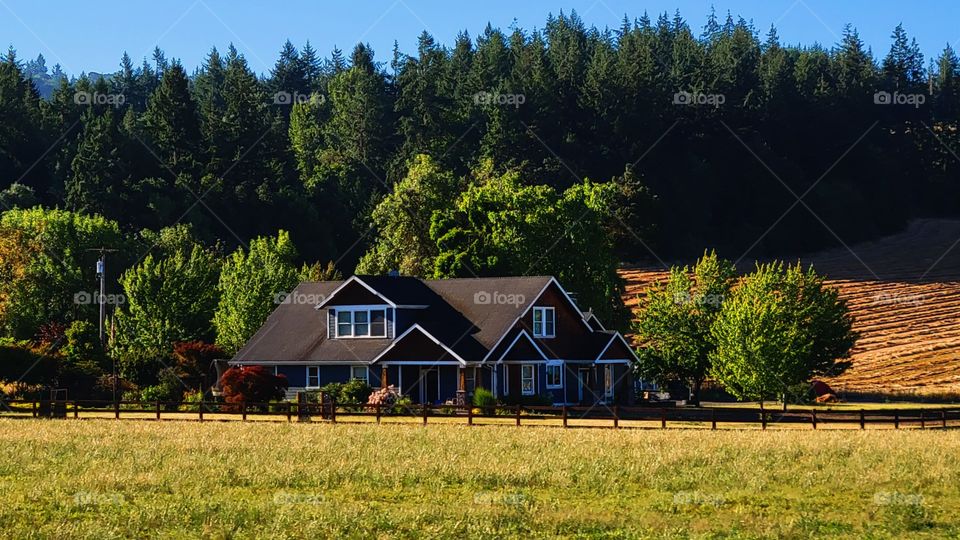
(108, 479)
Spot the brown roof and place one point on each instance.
(456, 314)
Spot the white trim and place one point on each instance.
(546, 375)
(592, 315)
(533, 380)
(618, 361)
(353, 310)
(429, 336)
(543, 321)
(352, 279)
(420, 363)
(297, 363)
(622, 340)
(307, 381)
(523, 332)
(532, 302)
(366, 373)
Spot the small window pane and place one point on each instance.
(344, 323)
(358, 372)
(378, 323)
(537, 322)
(361, 323)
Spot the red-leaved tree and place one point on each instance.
(252, 384)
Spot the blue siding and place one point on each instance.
(331, 374)
(296, 375)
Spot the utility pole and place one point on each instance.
(102, 304)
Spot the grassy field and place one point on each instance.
(107, 479)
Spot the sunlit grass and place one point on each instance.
(103, 479)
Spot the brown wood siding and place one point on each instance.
(570, 330)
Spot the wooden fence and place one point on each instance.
(612, 416)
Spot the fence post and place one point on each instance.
(564, 416)
(33, 407)
(863, 421)
(243, 411)
(923, 423)
(333, 410)
(116, 410)
(896, 419)
(378, 413)
(713, 418)
(813, 417)
(289, 412)
(943, 418)
(158, 410)
(518, 414)
(76, 410)
(469, 415)
(616, 416)
(663, 418)
(200, 410)
(425, 410)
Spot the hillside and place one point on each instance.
(904, 291)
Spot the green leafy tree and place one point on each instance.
(781, 327)
(675, 321)
(403, 220)
(167, 300)
(499, 227)
(48, 268)
(250, 283)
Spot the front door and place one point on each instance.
(429, 385)
(583, 383)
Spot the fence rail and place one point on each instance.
(611, 416)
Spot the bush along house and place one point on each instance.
(523, 338)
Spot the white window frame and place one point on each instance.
(558, 365)
(317, 376)
(366, 374)
(351, 312)
(608, 384)
(532, 378)
(543, 313)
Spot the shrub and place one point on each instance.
(252, 384)
(385, 397)
(21, 361)
(483, 398)
(353, 392)
(169, 389)
(194, 358)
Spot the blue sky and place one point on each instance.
(91, 35)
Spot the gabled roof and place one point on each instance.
(467, 317)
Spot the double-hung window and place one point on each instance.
(358, 372)
(361, 322)
(544, 322)
(555, 375)
(527, 379)
(313, 377)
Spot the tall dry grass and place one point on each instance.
(106, 479)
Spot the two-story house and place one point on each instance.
(438, 340)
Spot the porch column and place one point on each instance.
(462, 386)
(383, 377)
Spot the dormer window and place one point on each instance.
(361, 322)
(544, 322)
